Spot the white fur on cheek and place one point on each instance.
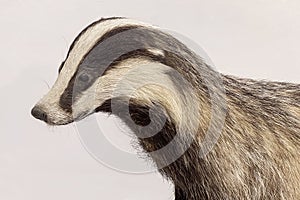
(146, 81)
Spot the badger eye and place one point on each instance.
(84, 77)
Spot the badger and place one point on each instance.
(170, 96)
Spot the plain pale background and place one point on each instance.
(251, 38)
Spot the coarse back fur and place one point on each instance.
(257, 154)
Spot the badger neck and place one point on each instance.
(167, 122)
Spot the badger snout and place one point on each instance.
(39, 113)
(51, 114)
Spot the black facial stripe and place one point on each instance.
(82, 32)
(66, 99)
(70, 94)
(61, 66)
(127, 42)
(139, 53)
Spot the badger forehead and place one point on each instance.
(89, 37)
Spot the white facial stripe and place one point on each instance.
(144, 80)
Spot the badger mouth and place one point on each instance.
(52, 119)
(57, 118)
(59, 123)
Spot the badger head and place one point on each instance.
(116, 62)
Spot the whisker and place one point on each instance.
(46, 84)
(66, 46)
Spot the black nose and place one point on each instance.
(38, 113)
